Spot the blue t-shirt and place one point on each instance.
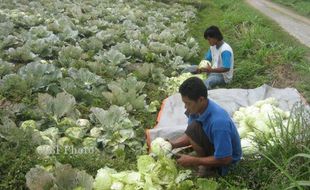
(226, 57)
(221, 131)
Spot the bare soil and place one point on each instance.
(285, 76)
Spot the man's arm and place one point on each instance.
(222, 153)
(213, 70)
(209, 161)
(226, 58)
(208, 56)
(180, 142)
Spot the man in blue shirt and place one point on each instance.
(211, 132)
(221, 57)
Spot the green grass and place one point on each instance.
(16, 159)
(261, 47)
(283, 160)
(301, 6)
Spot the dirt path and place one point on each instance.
(298, 26)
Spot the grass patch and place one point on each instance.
(16, 158)
(283, 159)
(301, 6)
(260, 46)
(264, 53)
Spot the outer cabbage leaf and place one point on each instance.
(165, 171)
(172, 84)
(39, 75)
(126, 92)
(145, 164)
(111, 117)
(5, 68)
(91, 44)
(39, 178)
(21, 54)
(103, 180)
(69, 55)
(85, 79)
(70, 178)
(206, 184)
(62, 105)
(149, 73)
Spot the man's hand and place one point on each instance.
(180, 142)
(198, 71)
(208, 69)
(186, 160)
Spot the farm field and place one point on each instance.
(80, 81)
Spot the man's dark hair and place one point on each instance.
(193, 88)
(213, 32)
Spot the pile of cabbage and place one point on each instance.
(172, 84)
(258, 119)
(152, 174)
(159, 173)
(156, 171)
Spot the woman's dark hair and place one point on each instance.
(193, 88)
(213, 32)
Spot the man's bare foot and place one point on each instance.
(202, 171)
(207, 172)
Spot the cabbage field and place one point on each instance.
(80, 81)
